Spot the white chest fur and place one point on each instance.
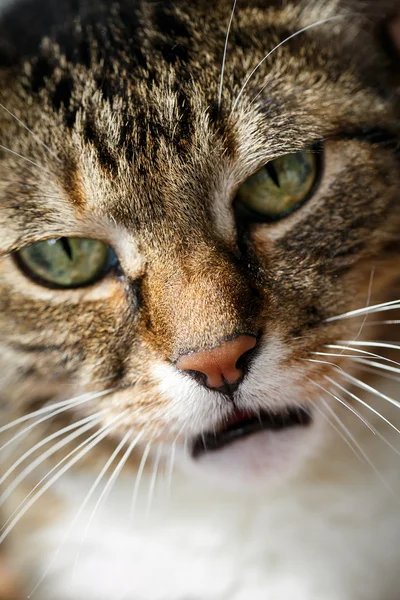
(335, 536)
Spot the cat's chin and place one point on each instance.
(262, 459)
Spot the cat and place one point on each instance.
(199, 302)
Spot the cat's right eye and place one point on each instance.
(67, 262)
(279, 188)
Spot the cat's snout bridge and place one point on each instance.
(222, 368)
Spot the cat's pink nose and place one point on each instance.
(219, 365)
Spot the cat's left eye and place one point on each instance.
(67, 262)
(279, 188)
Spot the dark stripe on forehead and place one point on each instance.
(86, 32)
(63, 92)
(99, 141)
(42, 69)
(175, 40)
(25, 23)
(185, 124)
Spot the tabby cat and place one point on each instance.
(199, 302)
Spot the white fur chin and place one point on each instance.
(260, 460)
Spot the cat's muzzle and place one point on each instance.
(243, 424)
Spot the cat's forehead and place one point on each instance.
(161, 63)
(150, 122)
(166, 69)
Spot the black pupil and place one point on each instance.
(272, 172)
(66, 247)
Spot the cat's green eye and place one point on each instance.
(67, 262)
(279, 188)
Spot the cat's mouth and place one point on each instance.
(243, 424)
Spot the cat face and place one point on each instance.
(235, 223)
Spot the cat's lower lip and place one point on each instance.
(243, 424)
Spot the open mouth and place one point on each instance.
(242, 424)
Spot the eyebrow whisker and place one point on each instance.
(37, 138)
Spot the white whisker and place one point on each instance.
(337, 354)
(357, 399)
(98, 437)
(50, 407)
(359, 448)
(392, 305)
(375, 431)
(64, 408)
(153, 480)
(107, 488)
(389, 322)
(359, 351)
(91, 491)
(32, 162)
(39, 141)
(376, 365)
(373, 391)
(186, 446)
(221, 83)
(138, 480)
(304, 29)
(373, 371)
(341, 401)
(371, 279)
(371, 344)
(338, 431)
(43, 457)
(46, 440)
(324, 362)
(170, 467)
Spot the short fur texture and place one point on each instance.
(111, 129)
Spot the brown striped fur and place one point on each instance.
(126, 96)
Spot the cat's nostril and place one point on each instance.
(221, 368)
